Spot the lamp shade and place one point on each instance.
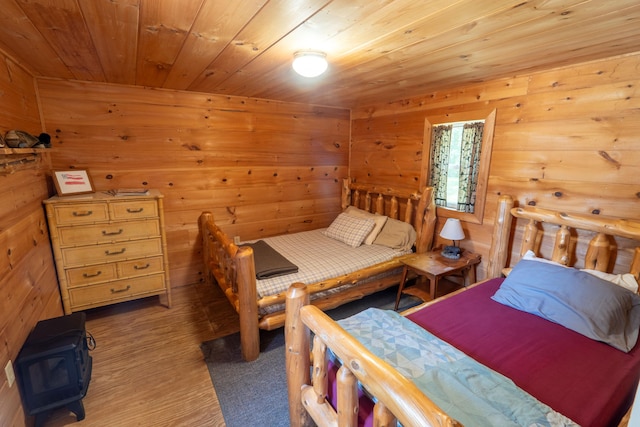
(310, 64)
(452, 230)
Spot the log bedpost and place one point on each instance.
(598, 253)
(320, 376)
(355, 198)
(297, 358)
(247, 304)
(383, 417)
(347, 398)
(530, 237)
(499, 251)
(367, 202)
(635, 264)
(380, 204)
(561, 246)
(393, 210)
(425, 222)
(346, 193)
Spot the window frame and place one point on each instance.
(489, 117)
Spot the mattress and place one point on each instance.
(318, 258)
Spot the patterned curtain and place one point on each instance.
(440, 143)
(469, 165)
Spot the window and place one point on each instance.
(454, 161)
(456, 164)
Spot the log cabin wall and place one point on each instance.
(28, 285)
(564, 139)
(262, 167)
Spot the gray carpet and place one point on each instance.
(255, 393)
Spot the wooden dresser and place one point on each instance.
(108, 248)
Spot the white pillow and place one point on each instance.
(627, 281)
(380, 220)
(349, 229)
(531, 256)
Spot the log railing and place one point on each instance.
(396, 396)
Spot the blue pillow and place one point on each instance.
(574, 299)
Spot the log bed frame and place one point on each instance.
(232, 266)
(398, 398)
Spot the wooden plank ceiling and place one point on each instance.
(379, 50)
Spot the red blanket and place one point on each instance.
(588, 381)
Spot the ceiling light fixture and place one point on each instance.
(310, 64)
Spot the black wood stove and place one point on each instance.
(54, 367)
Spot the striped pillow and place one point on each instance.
(349, 229)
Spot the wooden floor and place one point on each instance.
(148, 368)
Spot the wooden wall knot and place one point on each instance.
(609, 159)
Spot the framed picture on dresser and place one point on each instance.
(72, 182)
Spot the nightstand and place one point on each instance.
(434, 266)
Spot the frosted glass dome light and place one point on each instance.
(310, 64)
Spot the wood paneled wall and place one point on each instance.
(28, 285)
(262, 167)
(564, 139)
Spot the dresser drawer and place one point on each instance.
(91, 274)
(140, 266)
(132, 209)
(117, 290)
(81, 213)
(111, 252)
(108, 232)
(104, 272)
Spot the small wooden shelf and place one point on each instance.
(15, 159)
(7, 150)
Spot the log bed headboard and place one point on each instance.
(415, 208)
(600, 248)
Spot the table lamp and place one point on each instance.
(452, 230)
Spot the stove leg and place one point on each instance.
(77, 408)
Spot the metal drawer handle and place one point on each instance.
(116, 253)
(144, 267)
(87, 276)
(111, 233)
(134, 210)
(117, 291)
(85, 213)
